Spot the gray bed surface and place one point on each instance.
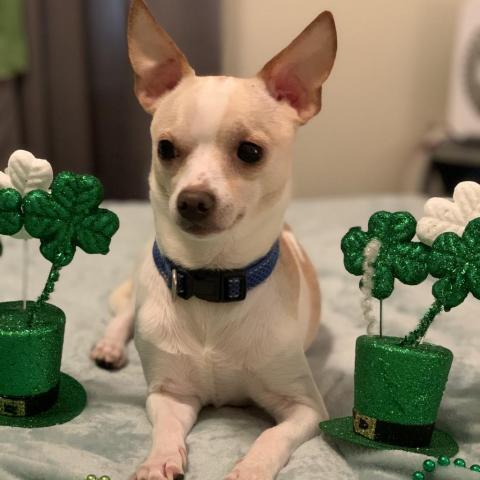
(112, 435)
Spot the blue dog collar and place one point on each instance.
(215, 285)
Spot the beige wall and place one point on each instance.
(388, 86)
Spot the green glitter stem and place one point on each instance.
(414, 337)
(381, 317)
(53, 277)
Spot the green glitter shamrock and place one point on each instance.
(456, 262)
(63, 219)
(11, 218)
(69, 217)
(398, 256)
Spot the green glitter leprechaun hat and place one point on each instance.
(63, 215)
(398, 390)
(399, 382)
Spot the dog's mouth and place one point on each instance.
(200, 230)
(205, 229)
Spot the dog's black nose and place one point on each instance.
(195, 205)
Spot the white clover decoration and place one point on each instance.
(5, 181)
(442, 215)
(26, 173)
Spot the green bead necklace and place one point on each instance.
(443, 461)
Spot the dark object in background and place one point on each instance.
(457, 157)
(77, 106)
(455, 161)
(120, 128)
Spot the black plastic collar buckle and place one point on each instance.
(212, 285)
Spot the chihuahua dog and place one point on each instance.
(224, 306)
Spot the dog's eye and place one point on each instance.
(248, 152)
(166, 150)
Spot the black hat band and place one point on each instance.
(411, 436)
(29, 405)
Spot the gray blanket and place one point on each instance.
(112, 435)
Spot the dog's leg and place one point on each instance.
(289, 393)
(110, 352)
(172, 418)
(272, 449)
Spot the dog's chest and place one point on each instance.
(215, 351)
(217, 378)
(197, 348)
(233, 341)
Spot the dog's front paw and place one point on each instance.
(165, 467)
(156, 471)
(109, 354)
(248, 470)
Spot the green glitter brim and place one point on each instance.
(72, 399)
(441, 444)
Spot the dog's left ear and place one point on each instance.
(158, 63)
(297, 73)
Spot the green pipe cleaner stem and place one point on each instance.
(53, 277)
(414, 337)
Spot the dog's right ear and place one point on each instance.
(158, 63)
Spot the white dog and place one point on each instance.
(220, 183)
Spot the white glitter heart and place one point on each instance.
(443, 215)
(26, 173)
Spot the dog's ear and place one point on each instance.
(297, 73)
(158, 63)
